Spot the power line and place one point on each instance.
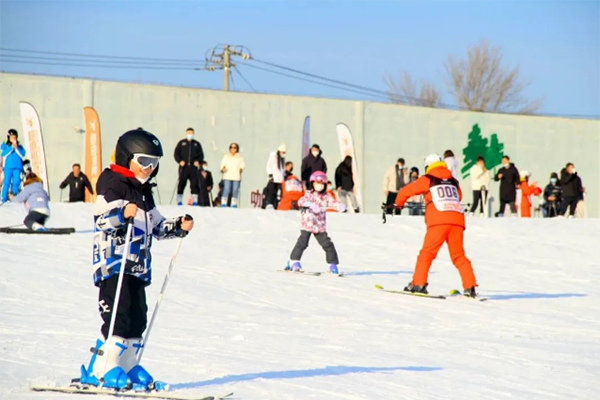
(129, 62)
(388, 95)
(315, 82)
(245, 80)
(4, 60)
(101, 56)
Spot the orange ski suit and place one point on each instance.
(526, 191)
(291, 191)
(442, 226)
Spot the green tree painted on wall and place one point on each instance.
(494, 154)
(477, 146)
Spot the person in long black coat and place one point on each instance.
(572, 189)
(509, 178)
(312, 163)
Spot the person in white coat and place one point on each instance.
(276, 171)
(232, 166)
(452, 164)
(480, 181)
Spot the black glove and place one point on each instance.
(180, 232)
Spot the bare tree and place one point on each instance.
(481, 83)
(404, 91)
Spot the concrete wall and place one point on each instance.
(259, 123)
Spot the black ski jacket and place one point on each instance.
(571, 184)
(77, 186)
(344, 178)
(508, 182)
(189, 151)
(312, 164)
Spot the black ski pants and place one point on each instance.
(34, 217)
(191, 173)
(568, 202)
(389, 203)
(503, 203)
(323, 239)
(477, 201)
(131, 316)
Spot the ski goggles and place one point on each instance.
(145, 161)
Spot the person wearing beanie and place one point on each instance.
(552, 197)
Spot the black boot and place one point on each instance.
(470, 292)
(416, 289)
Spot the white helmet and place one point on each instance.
(430, 159)
(525, 174)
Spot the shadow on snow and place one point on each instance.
(524, 295)
(368, 273)
(303, 373)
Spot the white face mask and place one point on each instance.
(189, 136)
(318, 186)
(315, 153)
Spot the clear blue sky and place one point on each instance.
(556, 44)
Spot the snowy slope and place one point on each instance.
(230, 322)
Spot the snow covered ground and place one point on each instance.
(231, 322)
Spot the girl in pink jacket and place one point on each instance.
(314, 205)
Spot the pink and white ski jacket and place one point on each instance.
(316, 222)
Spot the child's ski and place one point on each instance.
(458, 293)
(308, 273)
(431, 296)
(124, 394)
(48, 231)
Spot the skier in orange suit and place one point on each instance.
(445, 221)
(527, 190)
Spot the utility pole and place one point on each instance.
(219, 57)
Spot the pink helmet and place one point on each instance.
(318, 176)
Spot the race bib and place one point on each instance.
(445, 198)
(293, 185)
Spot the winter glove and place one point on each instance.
(341, 207)
(183, 225)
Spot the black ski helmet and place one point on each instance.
(137, 141)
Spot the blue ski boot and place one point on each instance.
(194, 200)
(179, 199)
(333, 268)
(296, 267)
(106, 355)
(140, 378)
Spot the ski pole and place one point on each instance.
(113, 317)
(160, 296)
(158, 191)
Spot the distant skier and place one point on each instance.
(314, 205)
(527, 190)
(445, 221)
(13, 154)
(77, 182)
(36, 202)
(123, 194)
(189, 155)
